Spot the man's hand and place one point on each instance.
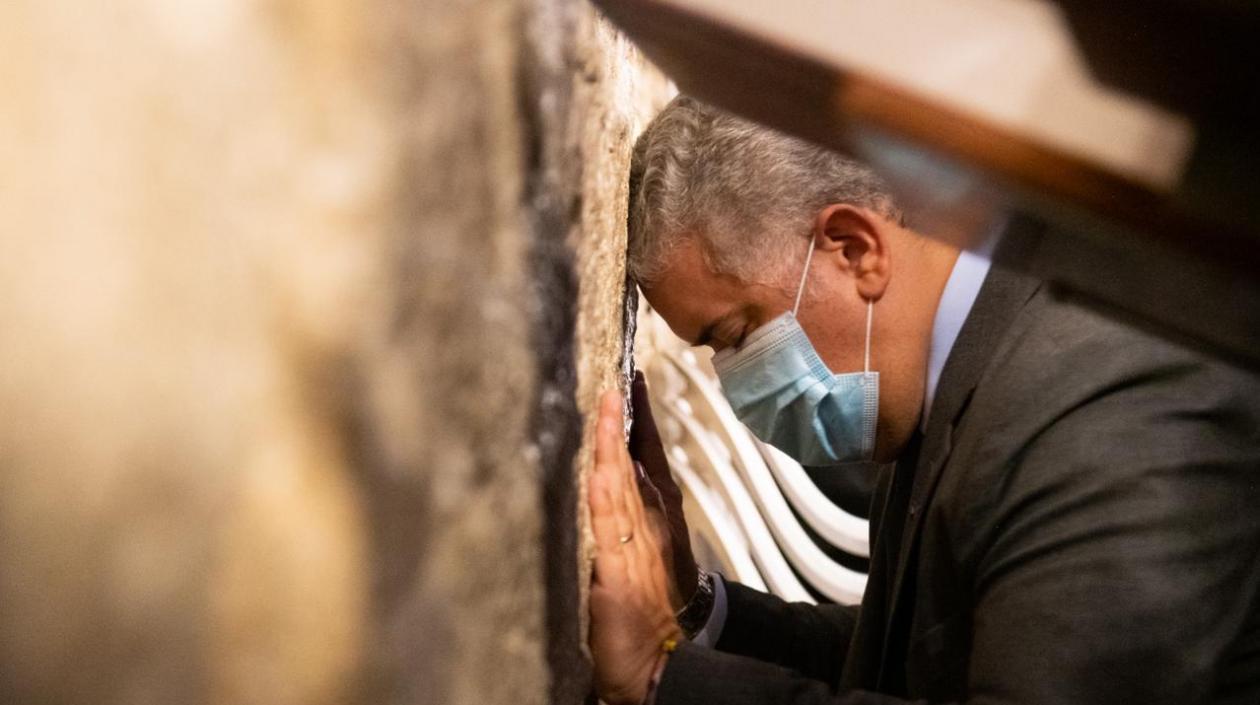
(631, 615)
(662, 498)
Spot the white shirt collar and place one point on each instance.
(957, 299)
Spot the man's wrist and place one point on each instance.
(695, 614)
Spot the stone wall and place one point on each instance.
(303, 307)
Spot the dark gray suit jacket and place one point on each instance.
(1079, 525)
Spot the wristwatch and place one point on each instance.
(695, 614)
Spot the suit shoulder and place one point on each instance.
(1076, 407)
(1060, 357)
(1094, 393)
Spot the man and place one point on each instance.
(1074, 516)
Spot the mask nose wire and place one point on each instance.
(800, 289)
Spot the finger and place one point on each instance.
(661, 538)
(611, 478)
(651, 568)
(634, 502)
(609, 446)
(643, 525)
(645, 446)
(627, 539)
(616, 467)
(651, 513)
(654, 514)
(645, 439)
(610, 559)
(649, 555)
(653, 502)
(610, 458)
(645, 566)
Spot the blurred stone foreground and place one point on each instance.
(304, 305)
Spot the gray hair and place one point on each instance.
(748, 192)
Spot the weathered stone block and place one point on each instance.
(303, 307)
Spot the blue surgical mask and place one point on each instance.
(782, 390)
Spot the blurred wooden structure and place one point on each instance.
(978, 109)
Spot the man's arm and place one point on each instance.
(810, 639)
(1119, 566)
(697, 675)
(1124, 553)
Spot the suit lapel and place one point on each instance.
(1000, 300)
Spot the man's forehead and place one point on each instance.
(688, 316)
(689, 295)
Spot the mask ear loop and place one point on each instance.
(800, 288)
(870, 307)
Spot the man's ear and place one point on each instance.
(858, 237)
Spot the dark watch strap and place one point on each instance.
(695, 614)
